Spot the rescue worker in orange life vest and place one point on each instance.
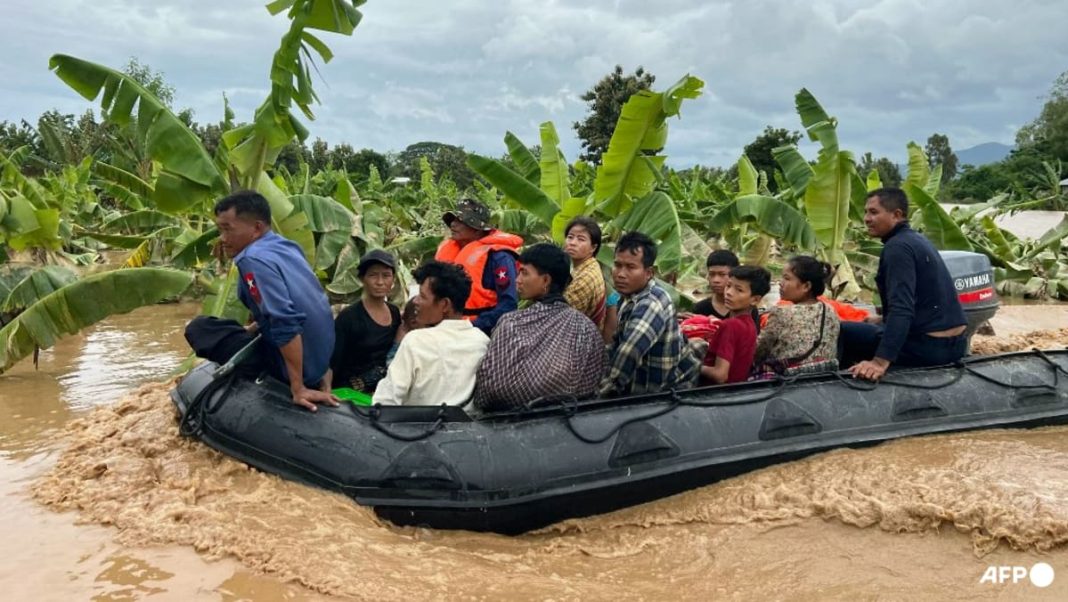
(488, 256)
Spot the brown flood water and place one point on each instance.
(143, 513)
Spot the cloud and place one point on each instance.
(466, 71)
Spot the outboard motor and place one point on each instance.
(973, 277)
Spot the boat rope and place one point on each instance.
(863, 385)
(192, 423)
(374, 413)
(570, 410)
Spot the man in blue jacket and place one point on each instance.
(922, 321)
(287, 303)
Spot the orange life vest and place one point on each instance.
(472, 258)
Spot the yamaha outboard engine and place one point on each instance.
(973, 277)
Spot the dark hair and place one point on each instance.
(758, 278)
(813, 271)
(891, 199)
(447, 281)
(246, 203)
(591, 226)
(634, 241)
(722, 257)
(549, 259)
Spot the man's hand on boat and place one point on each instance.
(308, 398)
(870, 369)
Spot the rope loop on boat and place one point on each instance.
(375, 414)
(863, 385)
(192, 423)
(570, 411)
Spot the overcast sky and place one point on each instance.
(466, 71)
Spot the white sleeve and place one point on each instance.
(394, 388)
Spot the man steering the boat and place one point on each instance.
(922, 321)
(288, 305)
(488, 256)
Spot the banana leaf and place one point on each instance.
(655, 215)
(525, 161)
(345, 280)
(35, 285)
(415, 248)
(324, 213)
(795, 168)
(345, 194)
(139, 257)
(820, 126)
(330, 245)
(21, 216)
(934, 182)
(747, 177)
(858, 192)
(768, 215)
(123, 185)
(27, 188)
(919, 170)
(83, 303)
(1002, 248)
(963, 215)
(516, 187)
(938, 226)
(828, 198)
(188, 175)
(572, 208)
(1054, 235)
(140, 221)
(640, 132)
(196, 252)
(44, 236)
(222, 300)
(758, 251)
(554, 170)
(874, 182)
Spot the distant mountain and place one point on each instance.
(988, 152)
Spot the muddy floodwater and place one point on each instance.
(100, 499)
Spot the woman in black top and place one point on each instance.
(365, 330)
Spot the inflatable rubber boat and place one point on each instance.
(516, 471)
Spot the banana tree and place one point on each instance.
(624, 193)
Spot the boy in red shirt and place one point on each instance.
(730, 354)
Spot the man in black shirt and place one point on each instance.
(922, 321)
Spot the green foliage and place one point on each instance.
(1048, 133)
(886, 170)
(70, 308)
(940, 153)
(770, 216)
(606, 100)
(761, 151)
(632, 162)
(187, 175)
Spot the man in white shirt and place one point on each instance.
(436, 363)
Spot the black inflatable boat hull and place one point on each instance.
(519, 471)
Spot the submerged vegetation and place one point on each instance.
(128, 202)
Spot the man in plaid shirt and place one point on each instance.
(648, 352)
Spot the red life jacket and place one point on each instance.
(472, 258)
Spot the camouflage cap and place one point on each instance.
(471, 213)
